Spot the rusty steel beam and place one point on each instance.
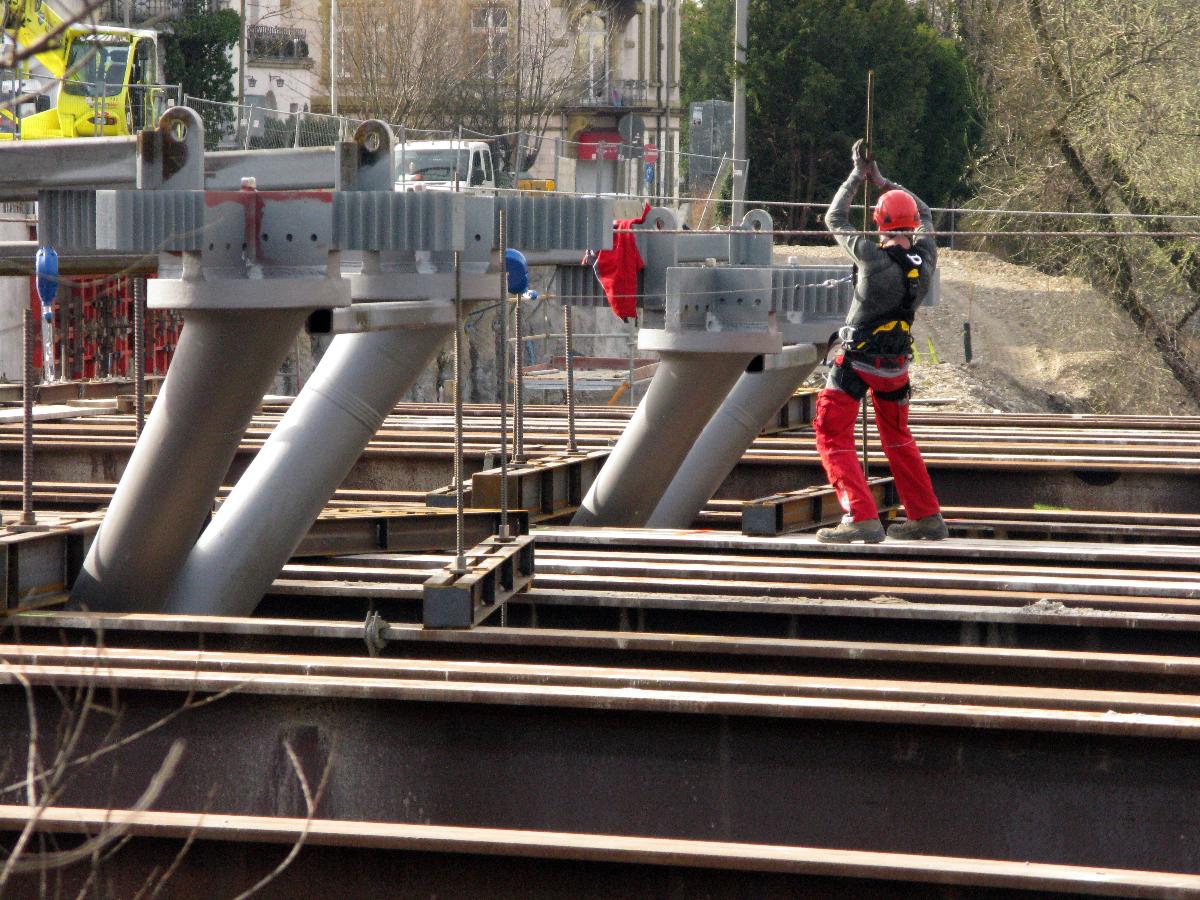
(496, 571)
(800, 410)
(1045, 665)
(880, 776)
(1134, 468)
(809, 508)
(39, 566)
(342, 531)
(593, 682)
(17, 260)
(223, 858)
(547, 487)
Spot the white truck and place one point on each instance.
(431, 165)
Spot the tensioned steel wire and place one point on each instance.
(825, 233)
(629, 151)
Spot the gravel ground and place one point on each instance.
(1040, 343)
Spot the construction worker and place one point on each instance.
(892, 277)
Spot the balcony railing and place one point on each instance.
(613, 93)
(158, 10)
(277, 44)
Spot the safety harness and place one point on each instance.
(890, 334)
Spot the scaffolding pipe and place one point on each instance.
(685, 391)
(359, 380)
(750, 406)
(223, 366)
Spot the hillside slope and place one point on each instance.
(1040, 343)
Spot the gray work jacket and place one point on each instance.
(880, 285)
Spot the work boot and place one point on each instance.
(930, 528)
(869, 531)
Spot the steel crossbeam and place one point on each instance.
(808, 508)
(496, 571)
(546, 487)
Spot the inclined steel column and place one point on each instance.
(223, 365)
(243, 299)
(684, 393)
(364, 373)
(360, 379)
(757, 396)
(266, 516)
(716, 321)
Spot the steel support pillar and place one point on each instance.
(224, 364)
(715, 322)
(754, 400)
(683, 395)
(270, 510)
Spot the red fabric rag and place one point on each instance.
(618, 268)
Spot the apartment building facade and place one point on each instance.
(615, 121)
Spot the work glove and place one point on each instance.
(864, 164)
(861, 156)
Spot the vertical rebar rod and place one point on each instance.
(27, 514)
(518, 387)
(403, 170)
(139, 351)
(569, 354)
(460, 563)
(502, 370)
(632, 353)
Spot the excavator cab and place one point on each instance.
(109, 75)
(109, 88)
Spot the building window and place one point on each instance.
(593, 49)
(489, 18)
(489, 27)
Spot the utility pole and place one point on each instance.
(241, 57)
(333, 66)
(740, 164)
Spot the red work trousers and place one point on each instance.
(837, 414)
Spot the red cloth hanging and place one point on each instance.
(618, 268)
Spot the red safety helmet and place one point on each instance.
(896, 211)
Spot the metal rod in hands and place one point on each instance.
(866, 460)
(139, 351)
(502, 369)
(460, 562)
(569, 354)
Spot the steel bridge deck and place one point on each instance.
(695, 710)
(1061, 461)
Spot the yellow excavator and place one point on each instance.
(108, 76)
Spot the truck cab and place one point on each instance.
(432, 165)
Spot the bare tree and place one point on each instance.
(1093, 108)
(472, 63)
(520, 76)
(87, 727)
(402, 60)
